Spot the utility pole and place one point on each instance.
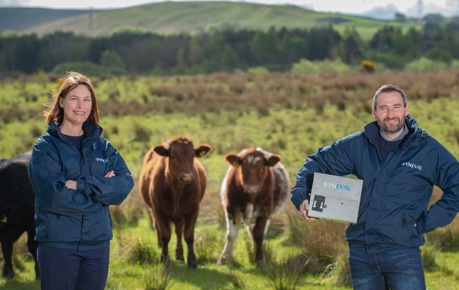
(420, 5)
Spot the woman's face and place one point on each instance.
(77, 105)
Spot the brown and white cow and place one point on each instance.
(172, 183)
(255, 188)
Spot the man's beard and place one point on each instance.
(390, 129)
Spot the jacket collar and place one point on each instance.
(90, 129)
(371, 130)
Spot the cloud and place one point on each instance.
(453, 6)
(13, 3)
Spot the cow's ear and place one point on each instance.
(161, 150)
(273, 160)
(202, 150)
(233, 160)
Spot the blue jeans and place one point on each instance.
(63, 269)
(395, 269)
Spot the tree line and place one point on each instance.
(226, 50)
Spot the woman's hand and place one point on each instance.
(71, 184)
(109, 174)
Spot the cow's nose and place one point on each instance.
(251, 189)
(186, 177)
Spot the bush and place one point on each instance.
(309, 67)
(424, 64)
(367, 66)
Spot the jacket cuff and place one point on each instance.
(297, 200)
(81, 186)
(420, 226)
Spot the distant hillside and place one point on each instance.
(178, 17)
(22, 19)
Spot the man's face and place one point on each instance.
(390, 114)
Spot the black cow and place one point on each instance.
(16, 209)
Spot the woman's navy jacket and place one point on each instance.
(394, 209)
(76, 219)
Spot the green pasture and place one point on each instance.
(286, 114)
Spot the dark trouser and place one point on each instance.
(395, 269)
(63, 269)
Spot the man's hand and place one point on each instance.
(304, 207)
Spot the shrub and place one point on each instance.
(204, 253)
(321, 251)
(142, 134)
(159, 279)
(143, 253)
(367, 66)
(425, 64)
(429, 255)
(309, 67)
(283, 274)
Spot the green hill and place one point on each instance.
(187, 17)
(21, 19)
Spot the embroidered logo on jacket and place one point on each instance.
(412, 165)
(98, 159)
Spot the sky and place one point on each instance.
(407, 7)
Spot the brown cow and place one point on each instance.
(254, 189)
(173, 182)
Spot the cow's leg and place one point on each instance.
(9, 235)
(165, 243)
(7, 248)
(258, 236)
(152, 218)
(163, 228)
(233, 224)
(268, 222)
(190, 223)
(179, 248)
(155, 226)
(32, 245)
(248, 219)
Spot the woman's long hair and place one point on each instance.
(55, 113)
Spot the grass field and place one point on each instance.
(286, 114)
(125, 274)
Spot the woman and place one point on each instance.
(75, 174)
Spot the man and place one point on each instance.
(399, 164)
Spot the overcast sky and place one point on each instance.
(409, 7)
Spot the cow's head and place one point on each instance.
(180, 153)
(254, 166)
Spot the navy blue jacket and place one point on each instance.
(396, 193)
(76, 219)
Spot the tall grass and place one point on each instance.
(283, 272)
(159, 279)
(291, 115)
